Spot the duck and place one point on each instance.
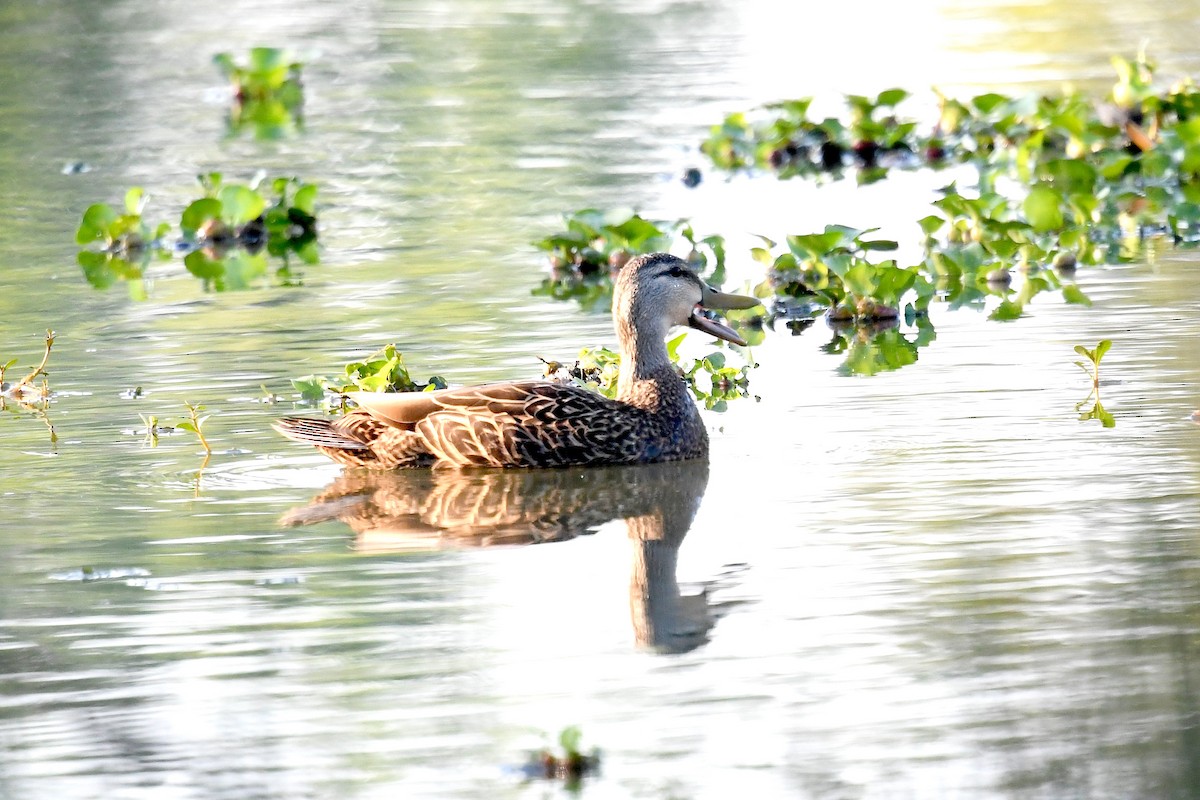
(543, 423)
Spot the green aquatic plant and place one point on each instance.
(711, 379)
(1125, 167)
(833, 272)
(152, 429)
(1092, 369)
(279, 213)
(382, 371)
(569, 764)
(195, 424)
(266, 72)
(227, 235)
(594, 245)
(120, 233)
(878, 347)
(26, 390)
(268, 95)
(1094, 356)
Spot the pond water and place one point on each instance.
(931, 582)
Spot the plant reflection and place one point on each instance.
(429, 509)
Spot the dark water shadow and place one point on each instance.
(409, 510)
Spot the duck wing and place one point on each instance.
(515, 424)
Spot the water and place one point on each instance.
(933, 582)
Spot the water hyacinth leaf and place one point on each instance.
(1042, 209)
(240, 204)
(198, 213)
(1073, 294)
(815, 245)
(98, 222)
(135, 199)
(305, 199)
(1071, 175)
(242, 269)
(224, 62)
(880, 245)
(931, 224)
(989, 102)
(1006, 311)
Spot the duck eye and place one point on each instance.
(676, 272)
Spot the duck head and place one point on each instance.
(656, 292)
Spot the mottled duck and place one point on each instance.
(540, 423)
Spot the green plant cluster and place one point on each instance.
(1127, 165)
(593, 246)
(712, 380)
(227, 234)
(570, 764)
(268, 93)
(382, 371)
(832, 270)
(790, 143)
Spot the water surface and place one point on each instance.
(933, 582)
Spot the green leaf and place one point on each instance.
(97, 224)
(199, 212)
(135, 198)
(310, 387)
(1102, 348)
(931, 224)
(1083, 351)
(305, 199)
(1073, 294)
(570, 740)
(240, 204)
(1042, 209)
(890, 97)
(989, 102)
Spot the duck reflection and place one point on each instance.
(406, 510)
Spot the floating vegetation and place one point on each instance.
(568, 764)
(1092, 368)
(122, 234)
(1128, 166)
(30, 394)
(1063, 182)
(831, 270)
(227, 235)
(382, 371)
(594, 245)
(28, 391)
(712, 380)
(268, 96)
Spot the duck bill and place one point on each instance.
(714, 328)
(715, 299)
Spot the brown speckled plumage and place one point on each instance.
(542, 423)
